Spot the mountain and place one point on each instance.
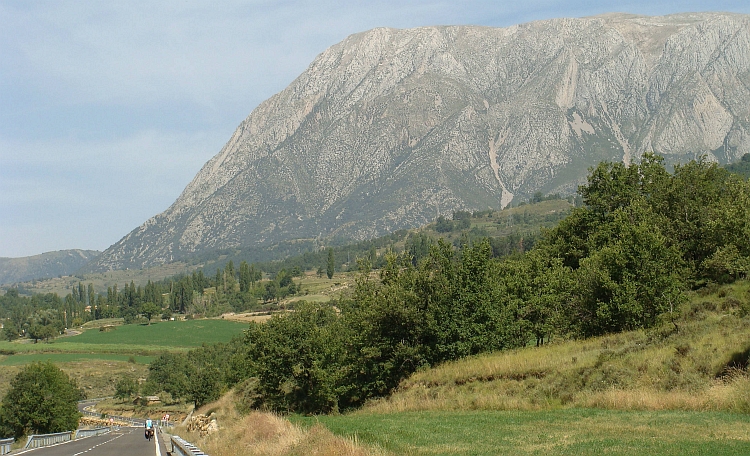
(46, 265)
(390, 128)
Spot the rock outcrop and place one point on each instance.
(391, 128)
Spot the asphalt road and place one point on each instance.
(122, 442)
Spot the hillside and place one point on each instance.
(46, 265)
(391, 128)
(509, 230)
(662, 391)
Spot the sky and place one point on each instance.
(109, 109)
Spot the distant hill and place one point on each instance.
(46, 265)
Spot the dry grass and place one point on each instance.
(97, 378)
(661, 369)
(262, 433)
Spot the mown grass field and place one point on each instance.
(545, 432)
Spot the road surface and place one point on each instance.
(126, 441)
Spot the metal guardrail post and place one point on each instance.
(5, 445)
(182, 447)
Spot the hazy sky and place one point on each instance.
(109, 108)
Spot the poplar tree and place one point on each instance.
(330, 268)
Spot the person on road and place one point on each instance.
(149, 429)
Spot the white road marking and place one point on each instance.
(156, 440)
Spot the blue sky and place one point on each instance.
(108, 109)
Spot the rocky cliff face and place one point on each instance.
(390, 128)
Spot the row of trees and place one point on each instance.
(622, 261)
(45, 316)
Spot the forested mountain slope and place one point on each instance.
(46, 265)
(390, 128)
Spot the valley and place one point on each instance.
(437, 240)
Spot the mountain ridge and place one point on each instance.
(390, 128)
(45, 265)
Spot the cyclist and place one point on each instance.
(149, 429)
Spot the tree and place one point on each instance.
(171, 373)
(42, 399)
(125, 388)
(296, 359)
(442, 225)
(203, 386)
(330, 265)
(149, 310)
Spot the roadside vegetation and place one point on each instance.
(625, 261)
(42, 399)
(635, 302)
(655, 391)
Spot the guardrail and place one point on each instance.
(37, 441)
(5, 445)
(124, 419)
(83, 433)
(182, 447)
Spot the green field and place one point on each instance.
(136, 339)
(548, 432)
(166, 334)
(57, 358)
(96, 359)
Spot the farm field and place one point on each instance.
(165, 334)
(547, 432)
(57, 358)
(136, 339)
(96, 359)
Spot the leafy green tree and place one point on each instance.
(11, 330)
(126, 387)
(203, 386)
(330, 264)
(296, 358)
(171, 373)
(42, 399)
(44, 325)
(245, 277)
(150, 309)
(443, 225)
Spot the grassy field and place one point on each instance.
(164, 334)
(97, 359)
(57, 358)
(95, 375)
(547, 432)
(136, 339)
(681, 388)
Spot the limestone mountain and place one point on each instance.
(391, 128)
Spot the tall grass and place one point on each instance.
(699, 363)
(262, 433)
(676, 389)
